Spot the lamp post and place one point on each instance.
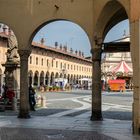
(63, 70)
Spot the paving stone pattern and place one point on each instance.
(41, 134)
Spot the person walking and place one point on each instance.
(32, 101)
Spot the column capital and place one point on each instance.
(96, 54)
(24, 53)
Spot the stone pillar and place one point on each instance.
(33, 80)
(135, 52)
(24, 94)
(96, 85)
(38, 84)
(49, 81)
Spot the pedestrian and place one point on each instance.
(4, 94)
(32, 101)
(10, 95)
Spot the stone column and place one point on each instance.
(135, 53)
(38, 84)
(96, 85)
(49, 80)
(33, 80)
(24, 94)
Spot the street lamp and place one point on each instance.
(63, 70)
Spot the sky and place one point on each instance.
(72, 35)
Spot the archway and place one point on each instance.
(52, 79)
(47, 79)
(112, 13)
(57, 75)
(36, 78)
(60, 60)
(42, 78)
(30, 75)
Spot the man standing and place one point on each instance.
(32, 101)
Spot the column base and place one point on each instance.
(135, 130)
(24, 115)
(96, 116)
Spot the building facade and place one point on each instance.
(48, 63)
(102, 16)
(111, 61)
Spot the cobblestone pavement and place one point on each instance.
(44, 125)
(41, 134)
(64, 128)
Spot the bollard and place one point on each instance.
(38, 99)
(43, 101)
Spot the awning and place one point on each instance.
(122, 67)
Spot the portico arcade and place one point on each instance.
(99, 17)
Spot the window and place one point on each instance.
(61, 65)
(65, 65)
(30, 59)
(56, 64)
(42, 61)
(80, 68)
(47, 62)
(71, 67)
(52, 63)
(36, 60)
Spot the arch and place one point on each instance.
(52, 78)
(57, 75)
(65, 76)
(112, 13)
(36, 78)
(47, 78)
(55, 20)
(30, 75)
(61, 75)
(42, 78)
